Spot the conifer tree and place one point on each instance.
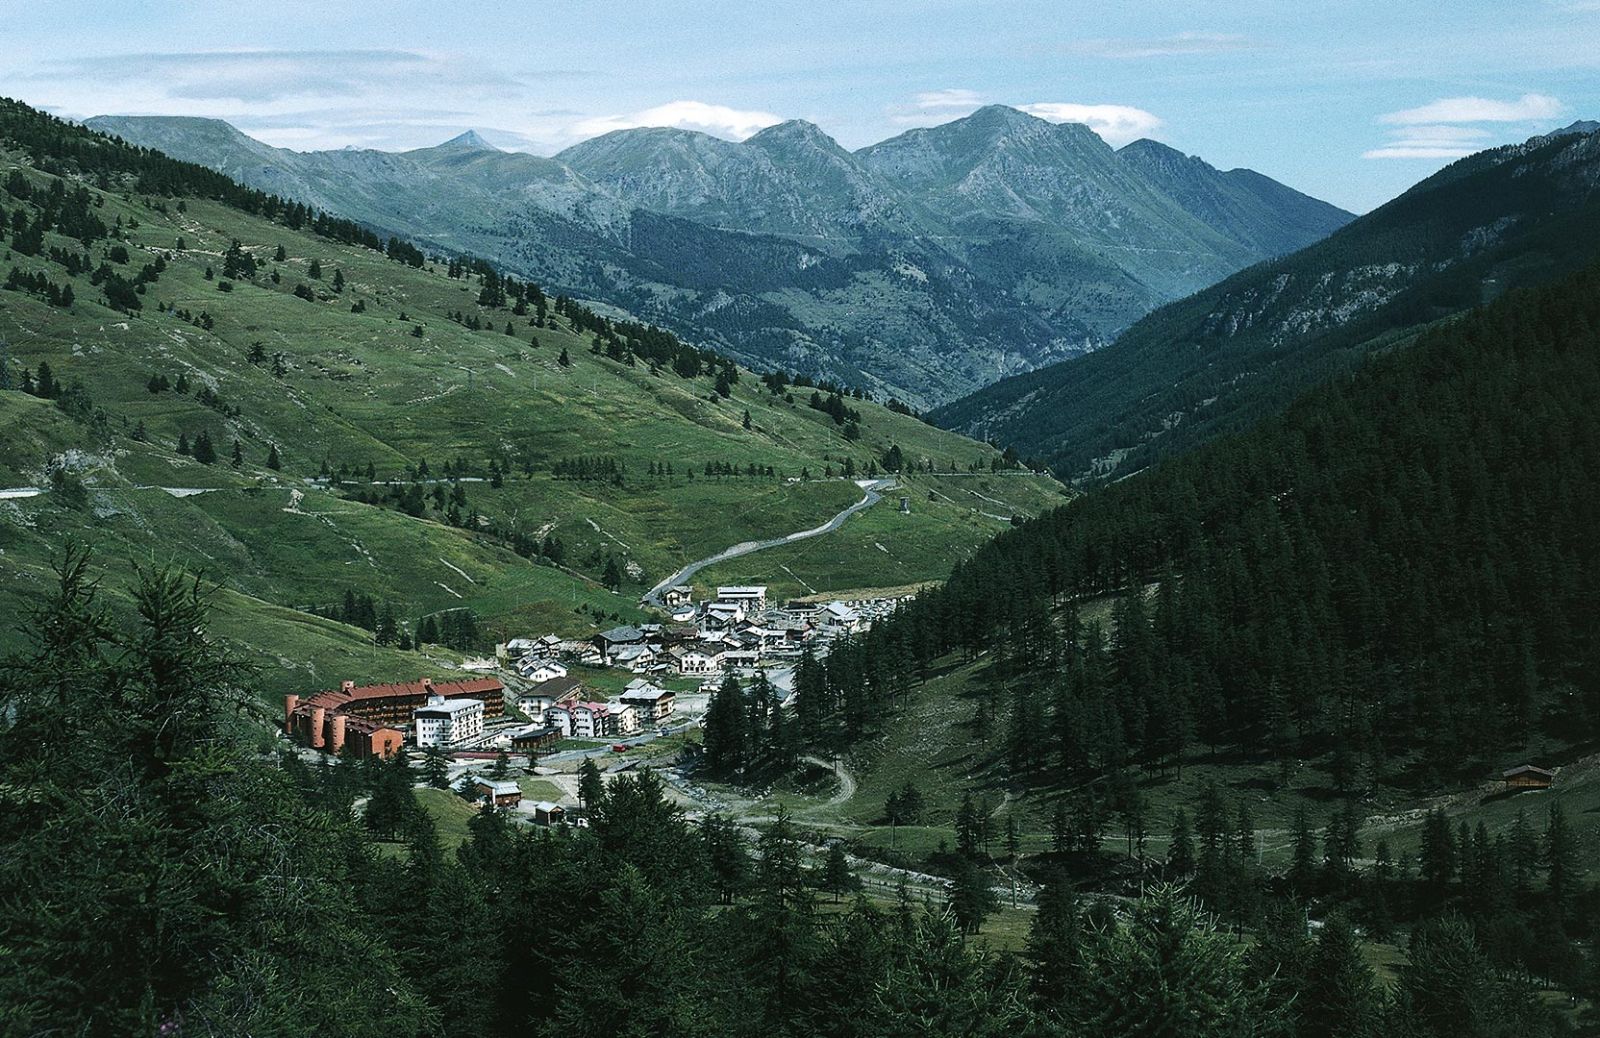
(435, 768)
(1340, 998)
(591, 789)
(204, 452)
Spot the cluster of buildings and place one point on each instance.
(739, 628)
(559, 710)
(376, 720)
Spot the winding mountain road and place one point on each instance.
(873, 490)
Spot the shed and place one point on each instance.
(1528, 776)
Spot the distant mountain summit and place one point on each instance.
(469, 140)
(1213, 363)
(921, 267)
(1248, 208)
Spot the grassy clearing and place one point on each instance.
(450, 815)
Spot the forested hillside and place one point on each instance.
(1222, 359)
(337, 426)
(247, 900)
(1398, 575)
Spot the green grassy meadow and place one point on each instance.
(393, 387)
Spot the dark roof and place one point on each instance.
(1527, 769)
(621, 634)
(556, 688)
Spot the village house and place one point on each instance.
(637, 658)
(535, 738)
(547, 694)
(621, 718)
(721, 615)
(678, 596)
(579, 720)
(753, 597)
(448, 722)
(700, 658)
(652, 702)
(1528, 776)
(539, 670)
(546, 813)
(791, 632)
(608, 642)
(500, 792)
(516, 648)
(840, 618)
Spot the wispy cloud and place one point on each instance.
(721, 120)
(1476, 110)
(1117, 124)
(945, 100)
(268, 76)
(1183, 43)
(932, 107)
(1443, 129)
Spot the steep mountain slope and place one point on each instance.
(1394, 578)
(922, 267)
(563, 448)
(1241, 204)
(1214, 362)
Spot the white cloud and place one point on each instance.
(1441, 130)
(1476, 110)
(948, 99)
(1118, 124)
(1406, 151)
(692, 115)
(1182, 43)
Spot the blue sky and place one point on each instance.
(1348, 100)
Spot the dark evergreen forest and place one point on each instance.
(1401, 571)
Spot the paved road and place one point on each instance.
(874, 490)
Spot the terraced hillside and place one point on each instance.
(434, 448)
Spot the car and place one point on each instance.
(619, 747)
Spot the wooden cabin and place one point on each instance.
(1527, 776)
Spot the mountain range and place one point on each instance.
(921, 267)
(1216, 362)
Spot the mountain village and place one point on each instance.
(541, 698)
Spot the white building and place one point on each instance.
(622, 717)
(752, 596)
(448, 722)
(839, 617)
(578, 720)
(701, 658)
(538, 670)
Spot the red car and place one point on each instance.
(619, 747)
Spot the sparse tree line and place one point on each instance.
(453, 628)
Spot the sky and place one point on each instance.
(1348, 100)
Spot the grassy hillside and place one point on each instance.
(382, 366)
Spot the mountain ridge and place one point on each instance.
(787, 249)
(1208, 364)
